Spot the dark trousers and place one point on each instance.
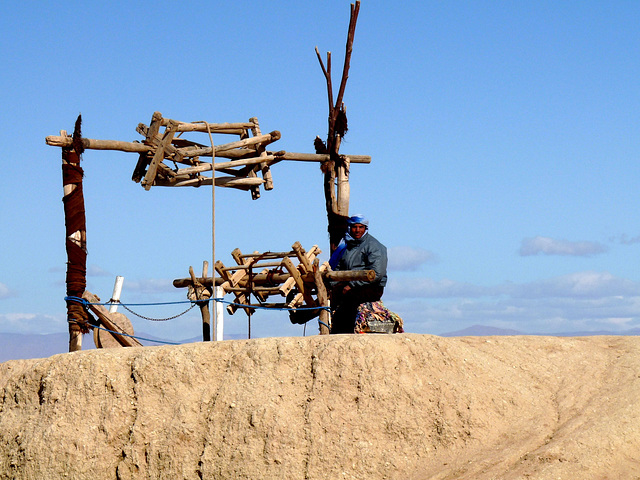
(345, 306)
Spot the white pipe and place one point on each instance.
(117, 290)
(218, 322)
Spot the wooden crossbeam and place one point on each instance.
(329, 275)
(158, 156)
(137, 147)
(231, 182)
(204, 127)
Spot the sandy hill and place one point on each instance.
(340, 407)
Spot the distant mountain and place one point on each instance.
(17, 346)
(485, 331)
(481, 331)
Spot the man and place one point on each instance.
(358, 251)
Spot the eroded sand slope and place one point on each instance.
(339, 407)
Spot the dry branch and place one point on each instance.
(337, 206)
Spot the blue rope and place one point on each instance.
(288, 309)
(258, 307)
(86, 302)
(241, 305)
(79, 300)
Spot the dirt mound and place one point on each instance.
(339, 407)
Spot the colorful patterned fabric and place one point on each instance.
(374, 317)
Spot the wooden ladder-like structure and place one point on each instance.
(296, 275)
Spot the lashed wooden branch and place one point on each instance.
(327, 76)
(355, 10)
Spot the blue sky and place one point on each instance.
(505, 139)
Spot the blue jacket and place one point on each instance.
(365, 254)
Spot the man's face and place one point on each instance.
(357, 230)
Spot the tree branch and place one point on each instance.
(327, 76)
(355, 9)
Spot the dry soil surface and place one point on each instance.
(328, 407)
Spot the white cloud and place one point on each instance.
(428, 288)
(625, 240)
(551, 246)
(579, 284)
(96, 271)
(6, 292)
(32, 323)
(409, 259)
(582, 301)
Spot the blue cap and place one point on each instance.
(358, 218)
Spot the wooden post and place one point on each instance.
(76, 238)
(201, 296)
(337, 206)
(343, 187)
(323, 300)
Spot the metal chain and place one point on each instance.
(157, 319)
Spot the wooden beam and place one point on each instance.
(230, 282)
(231, 182)
(158, 156)
(91, 144)
(305, 262)
(264, 167)
(318, 157)
(202, 296)
(206, 167)
(295, 273)
(343, 188)
(136, 147)
(332, 276)
(323, 300)
(206, 151)
(105, 317)
(229, 128)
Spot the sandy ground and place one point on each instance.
(341, 407)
